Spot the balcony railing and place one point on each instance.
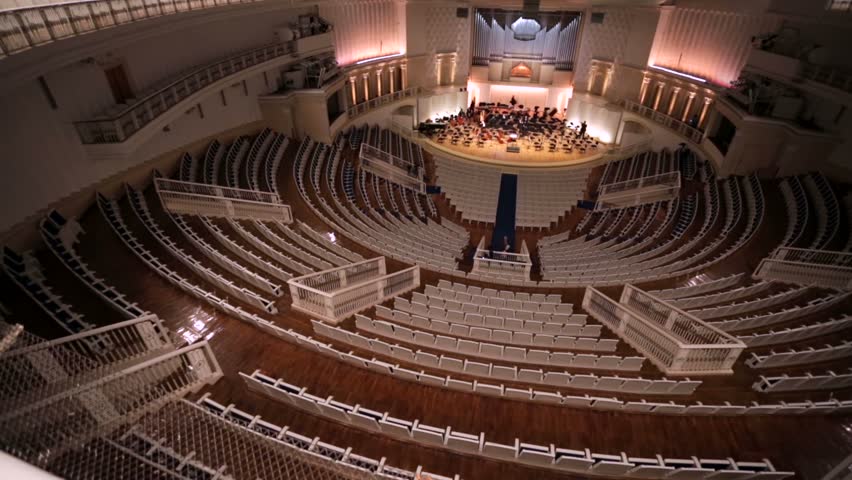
(28, 27)
(680, 127)
(827, 76)
(373, 103)
(822, 268)
(118, 125)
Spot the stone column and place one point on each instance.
(404, 80)
(660, 87)
(704, 109)
(593, 74)
(379, 91)
(352, 81)
(366, 78)
(607, 80)
(392, 77)
(438, 67)
(673, 100)
(687, 107)
(644, 91)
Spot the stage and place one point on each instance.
(496, 154)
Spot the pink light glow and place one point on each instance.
(383, 57)
(680, 74)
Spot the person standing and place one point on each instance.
(583, 129)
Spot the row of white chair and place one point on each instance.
(313, 446)
(472, 189)
(504, 294)
(801, 357)
(60, 235)
(797, 333)
(244, 253)
(108, 209)
(700, 286)
(786, 383)
(723, 296)
(140, 208)
(780, 316)
(493, 351)
(486, 332)
(443, 297)
(550, 456)
(269, 250)
(235, 268)
(831, 406)
(574, 326)
(737, 308)
(554, 323)
(513, 373)
(326, 242)
(797, 210)
(308, 244)
(291, 248)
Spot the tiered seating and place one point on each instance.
(738, 308)
(511, 372)
(285, 436)
(797, 210)
(827, 209)
(801, 357)
(244, 253)
(187, 168)
(452, 342)
(25, 271)
(60, 236)
(233, 160)
(233, 267)
(272, 164)
(787, 383)
(290, 248)
(140, 207)
(213, 162)
(776, 317)
(269, 250)
(471, 189)
(550, 456)
(109, 209)
(544, 197)
(256, 153)
(797, 333)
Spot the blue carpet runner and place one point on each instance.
(504, 225)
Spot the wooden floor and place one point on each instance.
(809, 445)
(495, 154)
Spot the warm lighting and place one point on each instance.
(384, 57)
(513, 136)
(525, 29)
(680, 74)
(332, 237)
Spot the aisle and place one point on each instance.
(504, 225)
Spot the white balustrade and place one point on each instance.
(822, 268)
(671, 122)
(487, 262)
(118, 126)
(218, 201)
(364, 107)
(638, 191)
(392, 168)
(673, 340)
(337, 293)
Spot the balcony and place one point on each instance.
(28, 27)
(784, 65)
(122, 121)
(678, 126)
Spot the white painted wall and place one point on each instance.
(44, 160)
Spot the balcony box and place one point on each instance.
(773, 64)
(315, 43)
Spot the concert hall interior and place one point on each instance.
(426, 239)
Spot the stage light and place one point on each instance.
(680, 74)
(513, 136)
(385, 57)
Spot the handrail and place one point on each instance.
(115, 127)
(673, 123)
(364, 107)
(23, 28)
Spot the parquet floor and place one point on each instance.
(810, 445)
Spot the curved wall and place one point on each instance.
(43, 158)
